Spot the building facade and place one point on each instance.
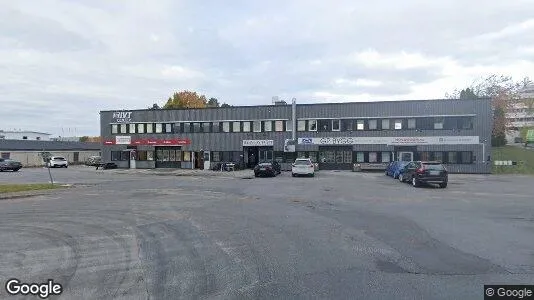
(24, 135)
(334, 135)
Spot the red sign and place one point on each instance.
(159, 142)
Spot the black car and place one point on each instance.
(9, 164)
(271, 168)
(424, 172)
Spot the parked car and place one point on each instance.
(266, 169)
(93, 160)
(303, 166)
(58, 161)
(395, 168)
(425, 172)
(9, 164)
(106, 166)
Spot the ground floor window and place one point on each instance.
(187, 156)
(5, 155)
(386, 157)
(360, 157)
(215, 156)
(449, 157)
(120, 155)
(286, 157)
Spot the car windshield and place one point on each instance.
(265, 164)
(302, 162)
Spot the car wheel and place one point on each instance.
(66, 166)
(415, 182)
(443, 185)
(401, 177)
(16, 170)
(256, 175)
(386, 173)
(293, 174)
(312, 174)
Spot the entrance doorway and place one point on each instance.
(335, 158)
(254, 155)
(405, 156)
(199, 160)
(168, 157)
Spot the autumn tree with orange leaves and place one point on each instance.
(504, 92)
(186, 99)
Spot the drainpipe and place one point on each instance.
(294, 119)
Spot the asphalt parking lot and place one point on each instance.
(339, 235)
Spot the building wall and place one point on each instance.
(21, 134)
(480, 109)
(34, 159)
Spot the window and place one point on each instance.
(328, 156)
(141, 155)
(159, 128)
(215, 156)
(466, 157)
(132, 128)
(385, 124)
(123, 128)
(225, 127)
(360, 157)
(373, 124)
(411, 123)
(301, 125)
(438, 123)
(38, 138)
(386, 157)
(246, 126)
(178, 155)
(359, 125)
(398, 124)
(466, 123)
(256, 126)
(186, 127)
(438, 156)
(140, 128)
(336, 125)
(187, 154)
(453, 158)
(289, 125)
(149, 128)
(196, 127)
(312, 125)
(347, 157)
(279, 126)
(216, 127)
(236, 126)
(76, 156)
(346, 125)
(114, 128)
(324, 125)
(168, 128)
(372, 157)
(120, 155)
(267, 125)
(206, 127)
(5, 155)
(425, 156)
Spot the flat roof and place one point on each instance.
(301, 104)
(24, 131)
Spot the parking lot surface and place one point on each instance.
(338, 235)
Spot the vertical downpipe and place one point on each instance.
(294, 119)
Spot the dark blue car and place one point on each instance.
(394, 168)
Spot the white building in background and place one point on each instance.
(520, 115)
(24, 135)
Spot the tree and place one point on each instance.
(504, 92)
(186, 99)
(213, 102)
(84, 139)
(226, 105)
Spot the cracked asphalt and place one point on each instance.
(338, 235)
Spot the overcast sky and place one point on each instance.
(62, 61)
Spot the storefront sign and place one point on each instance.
(122, 140)
(419, 140)
(122, 116)
(252, 143)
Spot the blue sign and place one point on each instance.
(307, 141)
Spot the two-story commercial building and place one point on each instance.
(335, 135)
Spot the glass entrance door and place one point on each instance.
(265, 155)
(405, 156)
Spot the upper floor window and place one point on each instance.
(140, 128)
(373, 124)
(268, 126)
(196, 127)
(312, 125)
(123, 128)
(226, 126)
(279, 126)
(289, 125)
(236, 126)
(132, 128)
(159, 128)
(206, 127)
(438, 122)
(246, 126)
(168, 128)
(301, 125)
(466, 123)
(149, 128)
(114, 128)
(385, 124)
(256, 126)
(346, 125)
(186, 127)
(336, 126)
(24, 137)
(411, 123)
(398, 124)
(360, 125)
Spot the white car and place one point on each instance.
(58, 161)
(303, 166)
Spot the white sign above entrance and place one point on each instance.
(418, 140)
(123, 140)
(255, 143)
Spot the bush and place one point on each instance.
(498, 140)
